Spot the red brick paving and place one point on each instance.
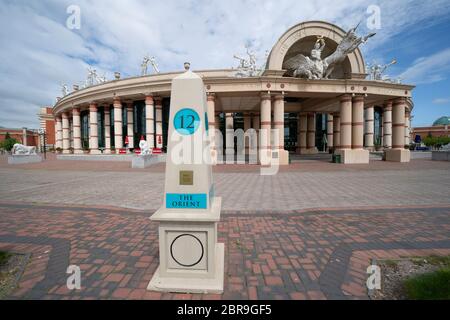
(284, 256)
(302, 166)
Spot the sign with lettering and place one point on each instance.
(186, 121)
(186, 201)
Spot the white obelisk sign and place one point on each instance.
(191, 260)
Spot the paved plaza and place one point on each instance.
(307, 233)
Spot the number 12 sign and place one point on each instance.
(186, 121)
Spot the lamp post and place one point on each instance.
(42, 134)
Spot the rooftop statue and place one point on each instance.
(315, 67)
(144, 65)
(248, 67)
(64, 90)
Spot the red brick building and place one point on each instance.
(47, 122)
(439, 128)
(24, 136)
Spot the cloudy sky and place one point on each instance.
(39, 52)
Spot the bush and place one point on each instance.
(8, 143)
(436, 142)
(429, 286)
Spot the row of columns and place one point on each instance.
(351, 128)
(62, 128)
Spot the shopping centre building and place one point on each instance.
(343, 111)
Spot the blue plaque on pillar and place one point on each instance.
(186, 201)
(186, 121)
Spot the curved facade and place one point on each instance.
(98, 118)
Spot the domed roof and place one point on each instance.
(442, 121)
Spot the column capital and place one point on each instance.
(265, 96)
(346, 98)
(398, 101)
(149, 99)
(65, 115)
(278, 97)
(130, 106)
(93, 107)
(117, 102)
(211, 96)
(387, 104)
(336, 115)
(358, 98)
(158, 100)
(76, 111)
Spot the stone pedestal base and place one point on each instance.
(191, 260)
(283, 157)
(309, 151)
(440, 155)
(22, 159)
(66, 152)
(186, 285)
(141, 162)
(78, 152)
(354, 156)
(398, 155)
(95, 151)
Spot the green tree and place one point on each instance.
(8, 143)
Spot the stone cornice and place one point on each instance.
(220, 81)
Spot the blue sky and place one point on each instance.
(39, 52)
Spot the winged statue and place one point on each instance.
(314, 67)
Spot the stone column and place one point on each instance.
(93, 129)
(247, 127)
(407, 127)
(118, 134)
(24, 136)
(58, 129)
(256, 126)
(336, 131)
(58, 132)
(229, 132)
(330, 131)
(346, 122)
(150, 120)
(278, 123)
(211, 102)
(77, 148)
(358, 122)
(398, 153)
(387, 125)
(311, 134)
(65, 133)
(158, 114)
(302, 127)
(107, 130)
(370, 120)
(130, 125)
(265, 154)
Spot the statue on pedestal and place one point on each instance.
(20, 149)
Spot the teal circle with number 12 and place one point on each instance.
(186, 121)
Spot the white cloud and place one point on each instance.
(39, 52)
(428, 69)
(441, 101)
